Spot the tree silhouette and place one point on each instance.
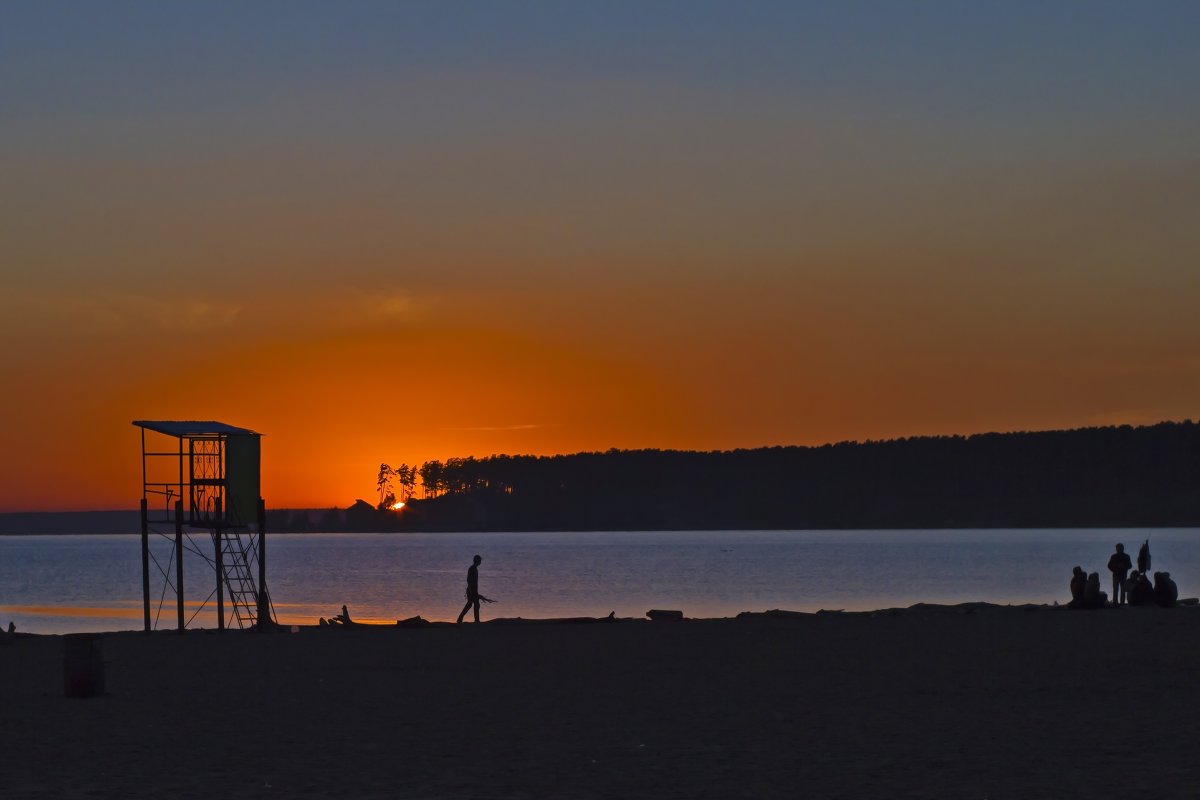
(1091, 476)
(383, 483)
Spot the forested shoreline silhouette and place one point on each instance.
(1120, 476)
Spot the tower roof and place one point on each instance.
(193, 428)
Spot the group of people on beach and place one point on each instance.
(1129, 586)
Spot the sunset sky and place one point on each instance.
(402, 231)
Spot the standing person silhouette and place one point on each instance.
(473, 596)
(1119, 565)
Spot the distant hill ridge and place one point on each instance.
(62, 522)
(1087, 477)
(1119, 476)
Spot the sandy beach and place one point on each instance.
(968, 701)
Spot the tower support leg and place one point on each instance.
(264, 599)
(145, 567)
(179, 564)
(220, 563)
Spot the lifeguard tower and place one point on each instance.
(200, 481)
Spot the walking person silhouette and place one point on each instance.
(473, 595)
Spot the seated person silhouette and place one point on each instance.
(341, 619)
(1166, 593)
(1092, 596)
(1078, 585)
(1138, 590)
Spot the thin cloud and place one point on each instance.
(127, 312)
(394, 306)
(499, 428)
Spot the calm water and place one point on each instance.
(59, 584)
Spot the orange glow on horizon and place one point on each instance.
(76, 611)
(706, 365)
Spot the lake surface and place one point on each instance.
(62, 584)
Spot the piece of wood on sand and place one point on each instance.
(658, 614)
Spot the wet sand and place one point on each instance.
(957, 702)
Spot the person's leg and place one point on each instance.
(476, 604)
(463, 613)
(1116, 590)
